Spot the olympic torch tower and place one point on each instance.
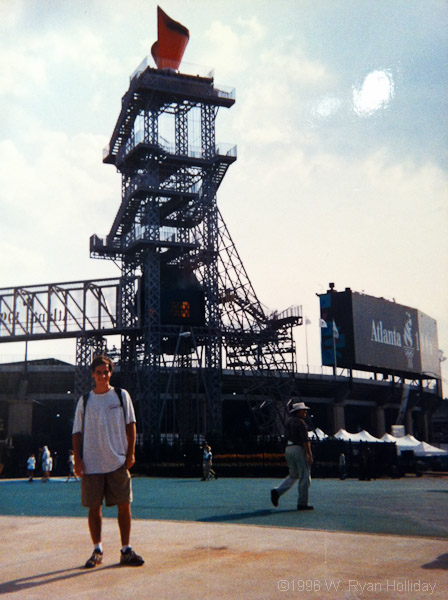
(166, 229)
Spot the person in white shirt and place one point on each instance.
(46, 464)
(71, 466)
(104, 434)
(31, 466)
(207, 459)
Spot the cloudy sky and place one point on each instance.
(340, 121)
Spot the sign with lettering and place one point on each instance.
(368, 333)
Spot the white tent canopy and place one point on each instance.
(407, 442)
(344, 435)
(364, 436)
(425, 449)
(361, 436)
(317, 433)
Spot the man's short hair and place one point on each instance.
(102, 360)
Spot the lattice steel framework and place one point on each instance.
(256, 343)
(164, 146)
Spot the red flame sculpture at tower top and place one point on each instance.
(171, 43)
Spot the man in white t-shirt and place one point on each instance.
(104, 433)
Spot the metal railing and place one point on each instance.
(187, 69)
(222, 149)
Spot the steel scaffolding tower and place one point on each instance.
(196, 299)
(257, 343)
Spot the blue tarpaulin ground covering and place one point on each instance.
(407, 506)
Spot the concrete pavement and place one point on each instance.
(41, 558)
(380, 540)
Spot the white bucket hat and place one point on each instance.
(299, 406)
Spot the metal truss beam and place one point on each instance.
(256, 342)
(67, 310)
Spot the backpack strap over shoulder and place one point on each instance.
(119, 393)
(85, 399)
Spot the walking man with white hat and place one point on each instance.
(298, 456)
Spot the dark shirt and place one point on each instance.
(296, 431)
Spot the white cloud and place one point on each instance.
(252, 29)
(20, 256)
(81, 47)
(9, 18)
(288, 62)
(276, 96)
(56, 201)
(20, 72)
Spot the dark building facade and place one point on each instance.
(38, 400)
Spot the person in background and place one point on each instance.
(49, 468)
(31, 467)
(207, 461)
(342, 466)
(45, 463)
(298, 456)
(71, 466)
